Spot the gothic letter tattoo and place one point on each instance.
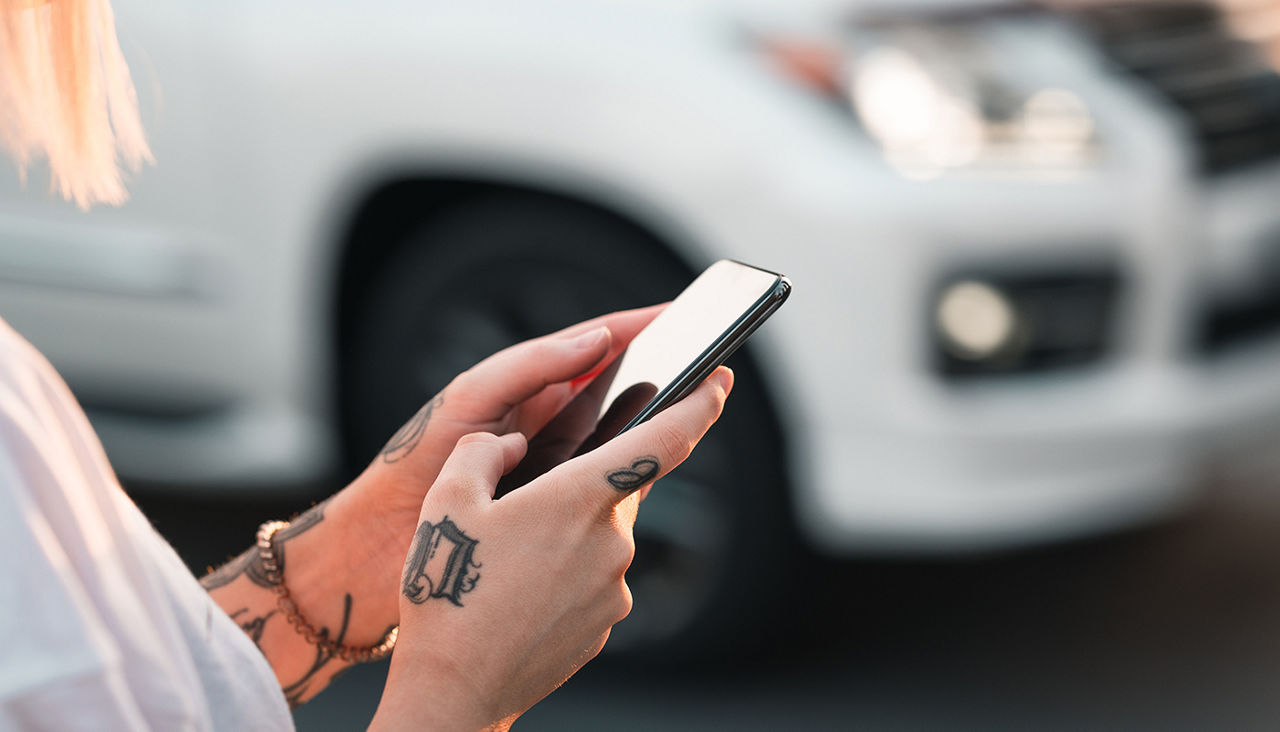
(642, 470)
(250, 564)
(410, 433)
(439, 563)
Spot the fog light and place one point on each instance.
(976, 320)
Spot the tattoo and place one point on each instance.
(410, 434)
(252, 627)
(440, 564)
(227, 573)
(250, 564)
(642, 470)
(297, 692)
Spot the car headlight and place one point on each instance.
(934, 99)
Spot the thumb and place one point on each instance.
(474, 467)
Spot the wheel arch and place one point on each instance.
(386, 211)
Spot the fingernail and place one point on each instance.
(591, 337)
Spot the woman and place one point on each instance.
(490, 604)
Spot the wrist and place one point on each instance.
(430, 693)
(333, 560)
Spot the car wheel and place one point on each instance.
(713, 538)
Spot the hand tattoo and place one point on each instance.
(250, 563)
(410, 433)
(642, 470)
(439, 563)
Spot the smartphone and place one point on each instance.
(663, 363)
(680, 348)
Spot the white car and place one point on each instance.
(1035, 255)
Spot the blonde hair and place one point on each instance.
(65, 94)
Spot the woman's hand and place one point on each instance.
(342, 559)
(502, 600)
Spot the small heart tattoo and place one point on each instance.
(642, 471)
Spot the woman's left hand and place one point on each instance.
(342, 559)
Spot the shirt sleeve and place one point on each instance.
(102, 626)
(84, 645)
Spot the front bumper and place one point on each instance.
(1055, 461)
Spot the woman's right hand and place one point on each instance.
(502, 600)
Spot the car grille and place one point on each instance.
(1216, 63)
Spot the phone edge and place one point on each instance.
(719, 351)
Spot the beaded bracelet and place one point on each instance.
(351, 654)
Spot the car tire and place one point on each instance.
(714, 538)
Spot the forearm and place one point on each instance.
(341, 582)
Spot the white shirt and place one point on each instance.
(102, 627)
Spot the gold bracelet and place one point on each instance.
(275, 576)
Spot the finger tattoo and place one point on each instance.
(641, 471)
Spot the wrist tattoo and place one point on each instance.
(300, 690)
(440, 563)
(250, 564)
(642, 471)
(410, 433)
(252, 627)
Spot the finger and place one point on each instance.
(475, 466)
(636, 458)
(624, 323)
(515, 374)
(624, 328)
(518, 373)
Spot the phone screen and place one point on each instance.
(695, 333)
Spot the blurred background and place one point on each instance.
(1006, 459)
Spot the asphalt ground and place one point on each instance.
(1169, 627)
